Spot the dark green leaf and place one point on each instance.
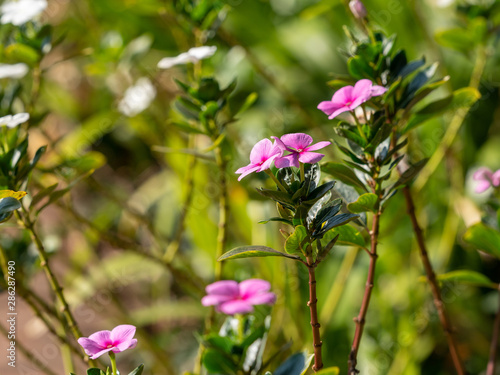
(278, 196)
(294, 365)
(279, 219)
(7, 206)
(217, 363)
(93, 371)
(343, 173)
(359, 68)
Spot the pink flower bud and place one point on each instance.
(358, 9)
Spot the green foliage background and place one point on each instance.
(285, 51)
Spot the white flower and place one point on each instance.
(18, 12)
(13, 121)
(192, 56)
(137, 98)
(13, 70)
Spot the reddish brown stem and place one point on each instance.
(312, 303)
(494, 344)
(361, 318)
(431, 277)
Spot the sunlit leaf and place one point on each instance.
(254, 251)
(484, 238)
(365, 202)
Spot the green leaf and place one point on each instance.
(254, 251)
(292, 244)
(278, 196)
(348, 236)
(7, 206)
(329, 371)
(409, 175)
(365, 202)
(93, 371)
(359, 68)
(457, 38)
(342, 173)
(138, 370)
(249, 101)
(484, 238)
(42, 194)
(278, 219)
(215, 362)
(214, 341)
(468, 277)
(22, 53)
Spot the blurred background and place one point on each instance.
(107, 235)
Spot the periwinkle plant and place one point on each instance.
(304, 205)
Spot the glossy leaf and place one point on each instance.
(343, 173)
(484, 238)
(14, 194)
(329, 371)
(366, 202)
(294, 365)
(7, 206)
(254, 251)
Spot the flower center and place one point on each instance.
(109, 346)
(348, 103)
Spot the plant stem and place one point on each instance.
(431, 277)
(361, 318)
(494, 343)
(276, 181)
(302, 172)
(313, 308)
(54, 283)
(223, 212)
(113, 363)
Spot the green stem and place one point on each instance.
(302, 172)
(360, 128)
(223, 212)
(276, 181)
(113, 363)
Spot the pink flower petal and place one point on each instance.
(362, 89)
(343, 96)
(268, 162)
(236, 307)
(291, 160)
(245, 171)
(252, 287)
(262, 299)
(378, 90)
(338, 112)
(261, 151)
(129, 344)
(122, 333)
(318, 146)
(483, 173)
(310, 157)
(329, 107)
(212, 300)
(98, 354)
(90, 346)
(298, 141)
(102, 338)
(482, 186)
(496, 178)
(223, 288)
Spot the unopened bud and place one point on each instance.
(358, 9)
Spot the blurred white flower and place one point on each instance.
(444, 3)
(18, 12)
(13, 70)
(192, 56)
(11, 121)
(137, 98)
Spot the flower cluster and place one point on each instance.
(231, 298)
(486, 179)
(348, 98)
(299, 146)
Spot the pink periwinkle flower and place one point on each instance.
(486, 178)
(349, 98)
(300, 148)
(358, 9)
(231, 298)
(119, 339)
(261, 157)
